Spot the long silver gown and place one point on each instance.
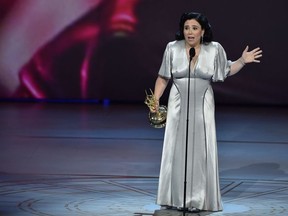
(202, 187)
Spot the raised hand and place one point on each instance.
(251, 56)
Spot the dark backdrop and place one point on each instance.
(121, 65)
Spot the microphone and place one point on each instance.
(191, 53)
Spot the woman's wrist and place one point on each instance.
(242, 61)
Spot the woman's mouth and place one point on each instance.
(190, 38)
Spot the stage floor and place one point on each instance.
(71, 159)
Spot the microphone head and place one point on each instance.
(192, 52)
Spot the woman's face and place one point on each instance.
(192, 32)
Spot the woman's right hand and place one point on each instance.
(155, 108)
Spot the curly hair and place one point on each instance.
(202, 20)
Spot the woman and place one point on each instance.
(208, 65)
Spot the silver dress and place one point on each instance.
(202, 187)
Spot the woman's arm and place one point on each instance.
(160, 86)
(247, 57)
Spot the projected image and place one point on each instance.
(84, 52)
(112, 49)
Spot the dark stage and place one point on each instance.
(66, 159)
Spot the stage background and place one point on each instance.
(95, 50)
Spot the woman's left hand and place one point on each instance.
(251, 56)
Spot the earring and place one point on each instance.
(202, 39)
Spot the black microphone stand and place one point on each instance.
(191, 54)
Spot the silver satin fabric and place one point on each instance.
(203, 191)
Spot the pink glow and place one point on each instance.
(124, 18)
(50, 34)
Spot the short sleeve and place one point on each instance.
(222, 65)
(165, 68)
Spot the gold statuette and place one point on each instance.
(157, 119)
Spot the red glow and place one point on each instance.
(124, 18)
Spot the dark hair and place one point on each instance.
(203, 21)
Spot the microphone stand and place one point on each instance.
(191, 54)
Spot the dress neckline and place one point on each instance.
(194, 64)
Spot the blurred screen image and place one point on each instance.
(112, 49)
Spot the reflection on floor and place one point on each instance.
(87, 159)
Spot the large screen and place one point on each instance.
(112, 49)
